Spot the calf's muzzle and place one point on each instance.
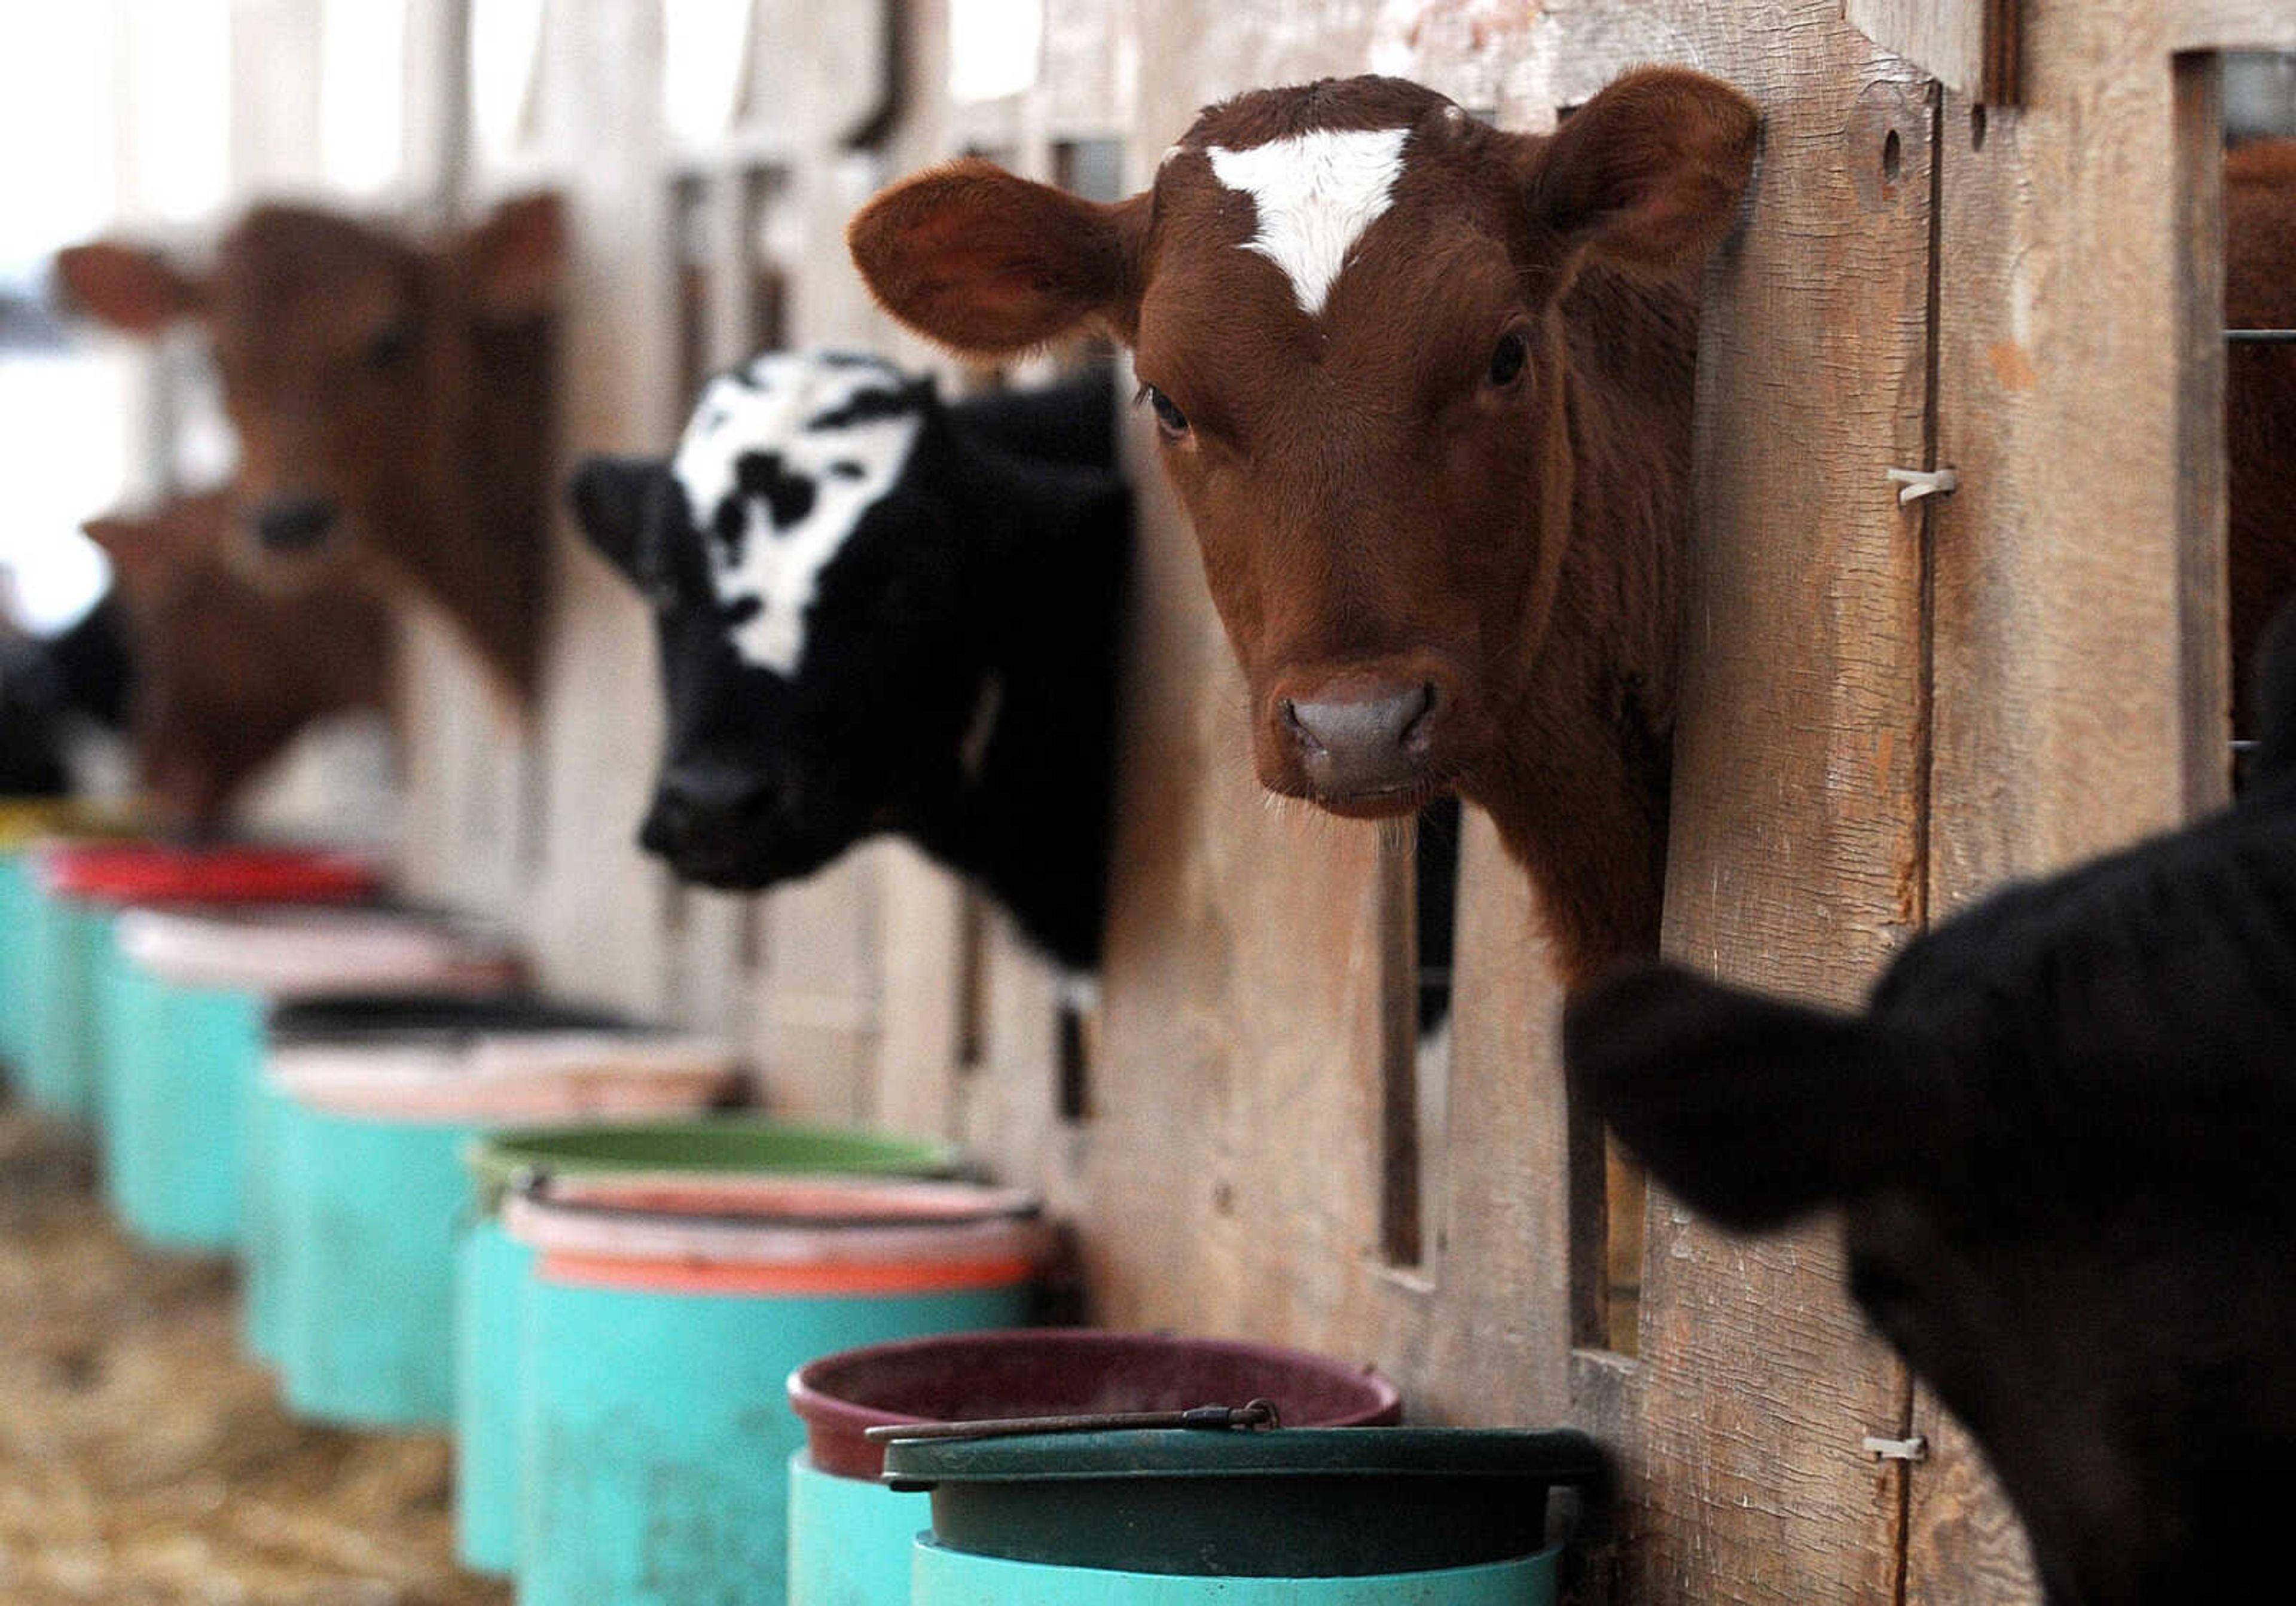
(1357, 738)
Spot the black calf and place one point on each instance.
(880, 613)
(2060, 1135)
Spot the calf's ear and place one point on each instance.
(1647, 176)
(125, 286)
(610, 497)
(514, 254)
(986, 263)
(1753, 1109)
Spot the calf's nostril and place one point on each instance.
(1289, 712)
(1420, 732)
(294, 524)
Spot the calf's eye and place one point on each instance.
(1170, 420)
(1508, 359)
(390, 345)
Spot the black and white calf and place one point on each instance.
(880, 613)
(2060, 1137)
(46, 683)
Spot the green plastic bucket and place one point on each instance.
(355, 1279)
(1435, 1515)
(850, 1535)
(183, 999)
(660, 1322)
(491, 1267)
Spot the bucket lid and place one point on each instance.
(158, 872)
(777, 1235)
(300, 950)
(1286, 1502)
(711, 1146)
(485, 1080)
(372, 1017)
(1054, 1371)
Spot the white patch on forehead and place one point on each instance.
(1316, 192)
(782, 414)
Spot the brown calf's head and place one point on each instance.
(227, 672)
(1422, 385)
(388, 395)
(1344, 302)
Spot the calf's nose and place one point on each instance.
(1372, 738)
(293, 523)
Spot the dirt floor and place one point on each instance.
(143, 1460)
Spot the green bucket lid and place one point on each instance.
(722, 1145)
(1291, 1502)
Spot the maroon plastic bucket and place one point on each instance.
(1058, 1372)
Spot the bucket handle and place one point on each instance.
(1208, 1419)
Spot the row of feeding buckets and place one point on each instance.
(687, 1354)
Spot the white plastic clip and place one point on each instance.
(1918, 483)
(1915, 1448)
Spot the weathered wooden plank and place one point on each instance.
(596, 906)
(2080, 668)
(2231, 25)
(1972, 45)
(1494, 1338)
(1795, 859)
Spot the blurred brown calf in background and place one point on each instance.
(227, 672)
(392, 397)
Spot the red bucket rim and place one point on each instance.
(1349, 1394)
(157, 873)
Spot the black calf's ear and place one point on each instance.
(610, 496)
(1752, 1110)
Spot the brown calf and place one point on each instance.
(2260, 394)
(391, 398)
(227, 672)
(1425, 388)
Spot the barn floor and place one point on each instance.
(143, 1461)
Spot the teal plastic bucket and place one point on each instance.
(368, 1191)
(660, 1323)
(66, 948)
(24, 824)
(444, 1027)
(183, 1000)
(178, 1067)
(80, 886)
(16, 907)
(1287, 1516)
(491, 1268)
(941, 1577)
(850, 1535)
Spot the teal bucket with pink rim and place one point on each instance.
(850, 1535)
(1229, 1517)
(492, 1269)
(185, 996)
(367, 1136)
(662, 1322)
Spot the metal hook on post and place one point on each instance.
(1917, 483)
